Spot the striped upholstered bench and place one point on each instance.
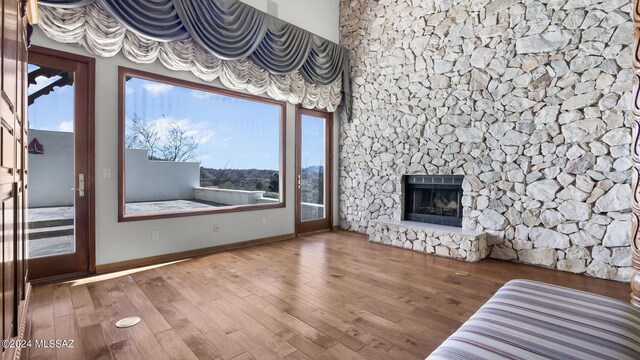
(533, 320)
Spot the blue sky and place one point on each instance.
(231, 133)
(313, 138)
(53, 111)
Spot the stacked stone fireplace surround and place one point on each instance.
(529, 100)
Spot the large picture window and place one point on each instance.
(188, 149)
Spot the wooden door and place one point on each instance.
(12, 174)
(68, 227)
(313, 170)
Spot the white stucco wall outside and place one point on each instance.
(148, 180)
(51, 173)
(228, 196)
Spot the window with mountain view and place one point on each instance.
(189, 148)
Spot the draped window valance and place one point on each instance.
(215, 39)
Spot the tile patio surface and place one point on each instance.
(167, 205)
(56, 245)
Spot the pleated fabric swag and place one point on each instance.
(244, 48)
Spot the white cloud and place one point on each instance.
(66, 126)
(202, 138)
(41, 82)
(157, 88)
(129, 89)
(200, 94)
(199, 131)
(205, 95)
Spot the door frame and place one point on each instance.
(87, 97)
(327, 223)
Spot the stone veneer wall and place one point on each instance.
(459, 245)
(529, 99)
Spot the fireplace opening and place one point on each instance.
(434, 199)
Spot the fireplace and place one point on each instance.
(433, 199)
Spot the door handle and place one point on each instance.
(80, 185)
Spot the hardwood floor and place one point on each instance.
(323, 296)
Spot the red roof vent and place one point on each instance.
(35, 147)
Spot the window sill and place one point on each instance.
(196, 212)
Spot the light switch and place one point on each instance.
(106, 173)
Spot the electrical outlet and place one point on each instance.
(216, 227)
(264, 222)
(155, 235)
(106, 173)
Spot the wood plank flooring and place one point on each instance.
(323, 296)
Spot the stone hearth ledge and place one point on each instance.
(446, 241)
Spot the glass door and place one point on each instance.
(58, 228)
(313, 171)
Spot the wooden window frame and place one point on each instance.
(305, 227)
(122, 217)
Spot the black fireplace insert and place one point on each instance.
(435, 199)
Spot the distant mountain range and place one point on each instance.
(264, 180)
(239, 179)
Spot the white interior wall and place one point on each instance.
(130, 240)
(317, 16)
